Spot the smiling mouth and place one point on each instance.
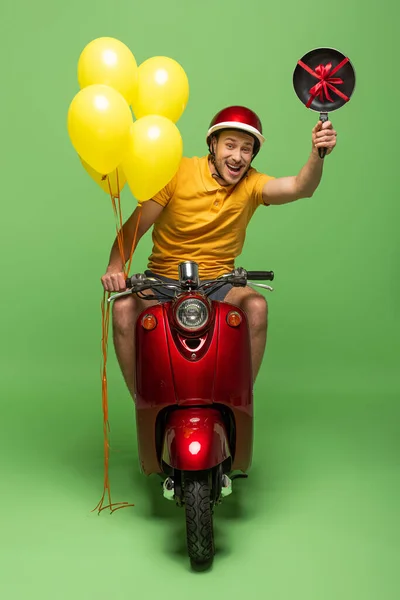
(233, 170)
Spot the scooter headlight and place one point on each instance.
(192, 314)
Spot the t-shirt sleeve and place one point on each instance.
(165, 194)
(258, 182)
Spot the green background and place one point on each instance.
(318, 517)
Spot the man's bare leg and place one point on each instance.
(124, 315)
(256, 308)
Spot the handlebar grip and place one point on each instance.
(128, 283)
(260, 275)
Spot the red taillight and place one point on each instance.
(194, 448)
(233, 318)
(149, 322)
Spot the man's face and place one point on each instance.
(233, 152)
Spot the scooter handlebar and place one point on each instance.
(260, 275)
(249, 275)
(136, 279)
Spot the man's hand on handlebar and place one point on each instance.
(113, 280)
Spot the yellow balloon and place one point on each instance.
(99, 121)
(163, 89)
(153, 156)
(110, 62)
(115, 180)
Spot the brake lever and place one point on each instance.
(261, 285)
(120, 294)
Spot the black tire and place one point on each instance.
(199, 519)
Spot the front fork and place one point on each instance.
(221, 486)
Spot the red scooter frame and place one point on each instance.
(194, 396)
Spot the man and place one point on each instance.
(202, 215)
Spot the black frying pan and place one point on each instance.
(324, 80)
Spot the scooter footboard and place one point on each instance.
(195, 439)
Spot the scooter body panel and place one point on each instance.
(195, 439)
(172, 373)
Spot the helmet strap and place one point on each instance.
(212, 154)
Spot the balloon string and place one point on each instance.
(119, 201)
(105, 313)
(116, 204)
(105, 322)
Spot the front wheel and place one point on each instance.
(199, 519)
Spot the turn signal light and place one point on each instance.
(234, 319)
(149, 322)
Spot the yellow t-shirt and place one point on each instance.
(202, 220)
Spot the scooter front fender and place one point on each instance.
(195, 439)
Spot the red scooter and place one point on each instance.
(194, 395)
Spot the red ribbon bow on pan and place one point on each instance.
(326, 82)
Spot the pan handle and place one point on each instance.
(323, 117)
